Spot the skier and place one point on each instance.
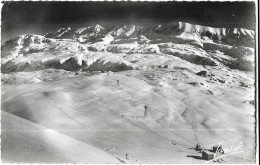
(118, 83)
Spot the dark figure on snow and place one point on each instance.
(145, 111)
(198, 147)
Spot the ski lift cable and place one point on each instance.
(193, 121)
(162, 136)
(176, 133)
(66, 114)
(154, 132)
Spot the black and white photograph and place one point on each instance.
(129, 82)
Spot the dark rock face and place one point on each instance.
(109, 66)
(202, 73)
(71, 65)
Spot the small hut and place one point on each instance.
(206, 155)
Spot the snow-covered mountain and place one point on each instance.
(231, 36)
(79, 48)
(128, 94)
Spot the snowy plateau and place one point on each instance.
(128, 94)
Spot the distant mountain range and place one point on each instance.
(230, 36)
(92, 48)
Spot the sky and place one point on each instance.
(42, 17)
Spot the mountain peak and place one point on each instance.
(98, 28)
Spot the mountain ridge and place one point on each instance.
(193, 43)
(231, 36)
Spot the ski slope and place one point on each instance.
(94, 110)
